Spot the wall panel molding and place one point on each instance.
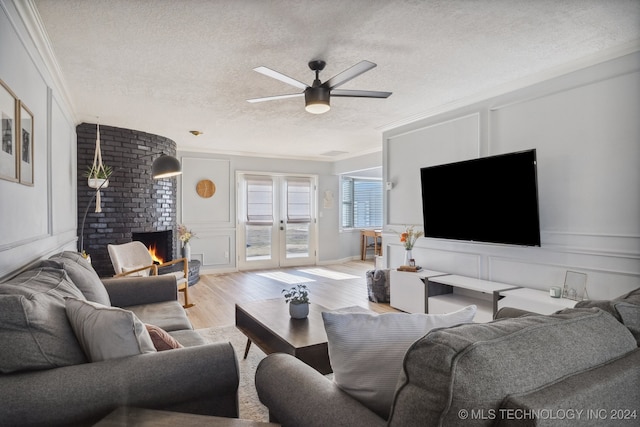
(584, 127)
(206, 212)
(39, 220)
(214, 250)
(452, 140)
(605, 245)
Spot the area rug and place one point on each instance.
(250, 406)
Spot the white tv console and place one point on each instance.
(434, 292)
(408, 291)
(533, 300)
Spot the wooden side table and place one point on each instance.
(364, 236)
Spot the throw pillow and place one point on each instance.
(161, 338)
(455, 370)
(83, 276)
(366, 350)
(34, 330)
(609, 306)
(632, 297)
(107, 332)
(630, 315)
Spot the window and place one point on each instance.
(361, 203)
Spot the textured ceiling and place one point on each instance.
(168, 67)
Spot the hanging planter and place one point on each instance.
(98, 174)
(97, 183)
(96, 177)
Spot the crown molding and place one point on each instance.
(193, 149)
(560, 70)
(32, 21)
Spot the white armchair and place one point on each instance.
(134, 259)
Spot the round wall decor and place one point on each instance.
(205, 188)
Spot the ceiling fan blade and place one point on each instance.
(273, 98)
(279, 76)
(360, 93)
(348, 74)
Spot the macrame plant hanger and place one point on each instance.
(95, 171)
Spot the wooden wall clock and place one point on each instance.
(205, 188)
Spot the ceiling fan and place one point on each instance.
(317, 95)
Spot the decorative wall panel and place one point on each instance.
(445, 142)
(205, 210)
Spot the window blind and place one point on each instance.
(361, 203)
(259, 206)
(298, 200)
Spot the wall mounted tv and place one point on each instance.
(490, 199)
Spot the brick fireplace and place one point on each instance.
(159, 244)
(134, 202)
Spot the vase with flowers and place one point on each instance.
(408, 239)
(185, 235)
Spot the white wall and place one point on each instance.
(37, 220)
(348, 245)
(585, 128)
(214, 219)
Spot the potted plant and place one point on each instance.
(298, 300)
(98, 176)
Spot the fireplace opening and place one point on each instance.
(159, 244)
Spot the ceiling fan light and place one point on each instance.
(316, 100)
(318, 108)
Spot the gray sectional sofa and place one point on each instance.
(47, 379)
(577, 367)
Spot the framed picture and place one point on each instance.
(26, 145)
(575, 286)
(8, 123)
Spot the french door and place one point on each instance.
(276, 220)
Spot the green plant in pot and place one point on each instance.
(97, 175)
(298, 300)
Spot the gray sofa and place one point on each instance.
(46, 378)
(575, 367)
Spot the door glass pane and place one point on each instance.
(259, 219)
(298, 215)
(258, 242)
(297, 240)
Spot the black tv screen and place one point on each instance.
(490, 199)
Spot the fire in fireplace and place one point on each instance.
(155, 255)
(159, 243)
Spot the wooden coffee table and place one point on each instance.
(267, 324)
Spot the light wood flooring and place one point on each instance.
(332, 286)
